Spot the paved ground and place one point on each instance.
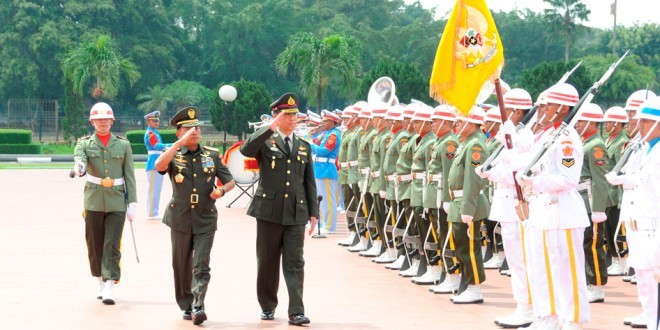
(45, 281)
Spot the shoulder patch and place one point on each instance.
(477, 148)
(476, 156)
(567, 150)
(599, 153)
(568, 162)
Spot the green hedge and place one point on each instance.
(22, 148)
(15, 136)
(137, 136)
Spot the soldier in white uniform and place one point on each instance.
(556, 207)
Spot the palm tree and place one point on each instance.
(184, 93)
(564, 15)
(155, 99)
(101, 61)
(317, 61)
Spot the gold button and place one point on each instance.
(194, 160)
(301, 201)
(195, 175)
(105, 151)
(105, 160)
(288, 171)
(287, 183)
(288, 160)
(171, 205)
(192, 206)
(286, 195)
(106, 171)
(264, 195)
(194, 189)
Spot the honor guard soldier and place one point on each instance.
(191, 213)
(468, 207)
(325, 149)
(558, 210)
(365, 203)
(285, 200)
(107, 159)
(595, 192)
(348, 174)
(517, 102)
(615, 119)
(155, 146)
(493, 258)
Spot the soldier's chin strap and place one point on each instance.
(584, 130)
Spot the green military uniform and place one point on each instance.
(378, 182)
(421, 157)
(467, 199)
(343, 167)
(388, 170)
(106, 199)
(615, 146)
(442, 156)
(404, 174)
(283, 203)
(594, 190)
(191, 214)
(364, 154)
(353, 176)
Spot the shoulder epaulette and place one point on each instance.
(302, 139)
(84, 137)
(121, 137)
(211, 149)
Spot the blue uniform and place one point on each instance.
(155, 146)
(325, 148)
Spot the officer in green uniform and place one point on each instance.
(594, 189)
(107, 159)
(468, 206)
(349, 116)
(191, 213)
(285, 200)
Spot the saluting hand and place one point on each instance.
(275, 123)
(184, 138)
(312, 226)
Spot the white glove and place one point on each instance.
(481, 173)
(499, 137)
(130, 211)
(598, 217)
(466, 218)
(524, 140)
(79, 168)
(614, 179)
(523, 179)
(383, 194)
(509, 128)
(445, 206)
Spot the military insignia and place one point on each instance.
(599, 153)
(475, 164)
(331, 142)
(302, 148)
(476, 156)
(449, 156)
(568, 162)
(477, 148)
(272, 163)
(178, 178)
(191, 113)
(600, 162)
(567, 150)
(302, 153)
(291, 101)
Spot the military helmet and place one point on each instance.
(564, 94)
(518, 98)
(616, 114)
(101, 110)
(637, 98)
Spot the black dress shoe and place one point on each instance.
(187, 314)
(268, 315)
(198, 316)
(298, 319)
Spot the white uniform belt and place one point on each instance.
(325, 160)
(644, 225)
(353, 163)
(435, 177)
(154, 152)
(405, 178)
(505, 192)
(585, 185)
(390, 177)
(375, 174)
(459, 193)
(419, 175)
(99, 181)
(343, 164)
(364, 171)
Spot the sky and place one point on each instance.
(629, 12)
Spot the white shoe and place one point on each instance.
(633, 280)
(386, 257)
(617, 268)
(595, 293)
(548, 322)
(637, 319)
(362, 245)
(374, 251)
(396, 265)
(348, 240)
(639, 322)
(495, 262)
(505, 272)
(471, 295)
(155, 217)
(101, 284)
(523, 316)
(432, 276)
(449, 285)
(412, 270)
(108, 294)
(628, 278)
(571, 326)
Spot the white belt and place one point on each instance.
(459, 193)
(584, 185)
(106, 182)
(435, 177)
(405, 178)
(343, 164)
(364, 171)
(375, 174)
(325, 160)
(154, 152)
(419, 175)
(635, 225)
(353, 163)
(505, 192)
(390, 177)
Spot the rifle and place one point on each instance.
(568, 121)
(633, 146)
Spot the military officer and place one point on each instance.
(107, 159)
(595, 193)
(155, 146)
(191, 213)
(285, 200)
(348, 174)
(325, 149)
(468, 206)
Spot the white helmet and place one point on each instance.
(101, 110)
(395, 112)
(637, 98)
(616, 114)
(564, 94)
(650, 109)
(444, 112)
(475, 116)
(423, 113)
(591, 112)
(518, 98)
(493, 114)
(541, 99)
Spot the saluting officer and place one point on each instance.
(285, 200)
(191, 213)
(108, 161)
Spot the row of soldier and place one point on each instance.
(423, 197)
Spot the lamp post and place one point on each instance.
(228, 94)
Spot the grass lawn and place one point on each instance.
(18, 166)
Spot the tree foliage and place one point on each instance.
(563, 17)
(409, 82)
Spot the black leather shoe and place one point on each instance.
(198, 316)
(298, 319)
(187, 314)
(268, 315)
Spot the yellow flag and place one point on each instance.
(469, 54)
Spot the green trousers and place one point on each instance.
(191, 256)
(468, 250)
(595, 264)
(103, 235)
